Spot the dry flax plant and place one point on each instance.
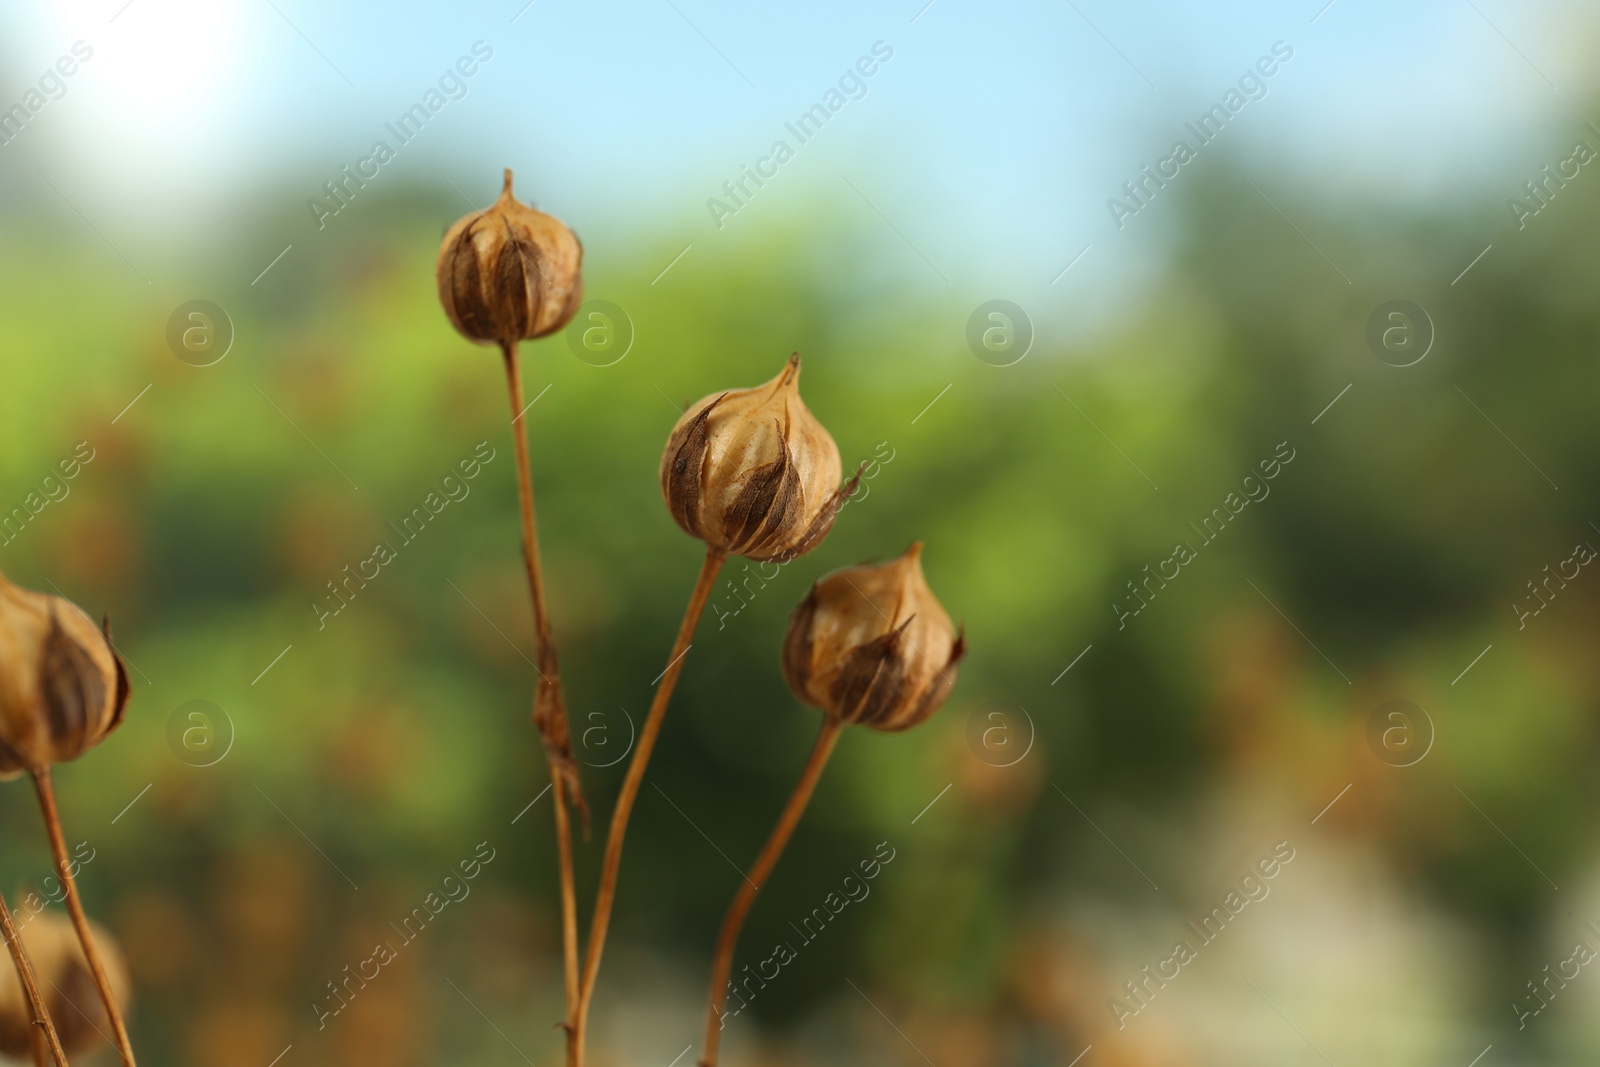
(508, 274)
(63, 689)
(869, 645)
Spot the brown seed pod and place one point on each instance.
(509, 273)
(62, 686)
(872, 645)
(753, 473)
(70, 995)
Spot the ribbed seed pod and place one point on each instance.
(68, 986)
(62, 686)
(753, 473)
(872, 645)
(509, 273)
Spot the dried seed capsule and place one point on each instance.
(872, 645)
(62, 685)
(70, 995)
(509, 273)
(753, 473)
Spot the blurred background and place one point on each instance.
(1373, 673)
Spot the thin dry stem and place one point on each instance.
(569, 917)
(44, 1029)
(530, 525)
(610, 868)
(550, 677)
(722, 965)
(80, 921)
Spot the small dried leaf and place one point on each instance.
(72, 688)
(472, 311)
(868, 688)
(683, 473)
(762, 511)
(824, 520)
(124, 688)
(511, 291)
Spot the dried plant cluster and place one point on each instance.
(748, 472)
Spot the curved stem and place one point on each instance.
(58, 847)
(722, 964)
(605, 896)
(30, 988)
(549, 679)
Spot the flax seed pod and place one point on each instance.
(67, 984)
(751, 472)
(509, 273)
(872, 645)
(62, 685)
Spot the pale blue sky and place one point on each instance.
(990, 142)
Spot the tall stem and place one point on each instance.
(58, 847)
(550, 680)
(722, 965)
(30, 988)
(605, 897)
